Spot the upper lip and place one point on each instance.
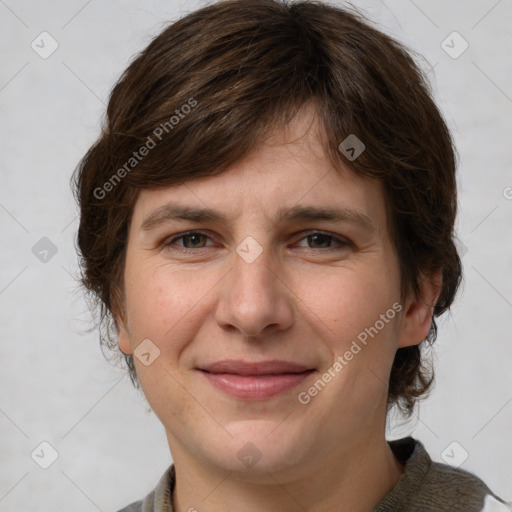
(239, 367)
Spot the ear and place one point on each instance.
(124, 339)
(119, 314)
(419, 310)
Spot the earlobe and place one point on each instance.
(419, 311)
(119, 316)
(124, 339)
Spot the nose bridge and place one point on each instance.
(253, 298)
(252, 268)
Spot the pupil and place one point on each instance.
(194, 238)
(320, 237)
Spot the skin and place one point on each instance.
(304, 299)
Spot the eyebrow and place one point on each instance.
(170, 212)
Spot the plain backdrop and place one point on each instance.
(55, 384)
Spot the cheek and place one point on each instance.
(161, 297)
(169, 307)
(342, 302)
(163, 306)
(160, 383)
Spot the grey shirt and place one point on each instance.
(425, 486)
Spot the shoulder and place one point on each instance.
(134, 507)
(455, 489)
(431, 486)
(159, 499)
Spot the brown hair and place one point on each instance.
(208, 88)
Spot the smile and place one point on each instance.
(255, 381)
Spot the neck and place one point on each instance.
(354, 480)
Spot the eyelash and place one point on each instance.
(342, 243)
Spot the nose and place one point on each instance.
(254, 298)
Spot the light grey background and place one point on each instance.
(55, 385)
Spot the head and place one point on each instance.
(250, 108)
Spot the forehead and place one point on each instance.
(288, 168)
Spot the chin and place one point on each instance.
(259, 447)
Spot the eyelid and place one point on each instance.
(170, 240)
(341, 240)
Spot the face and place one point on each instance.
(271, 328)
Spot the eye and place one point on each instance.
(325, 241)
(191, 241)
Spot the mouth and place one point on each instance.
(255, 380)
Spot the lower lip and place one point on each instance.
(255, 387)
